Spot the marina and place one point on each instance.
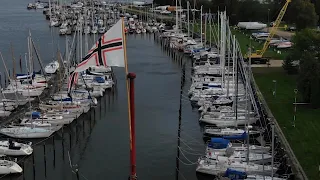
(222, 131)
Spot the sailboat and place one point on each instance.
(26, 132)
(9, 167)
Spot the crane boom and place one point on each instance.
(274, 28)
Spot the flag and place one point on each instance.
(107, 51)
(72, 80)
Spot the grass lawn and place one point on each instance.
(304, 139)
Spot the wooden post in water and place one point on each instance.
(45, 160)
(62, 144)
(23, 167)
(34, 166)
(70, 141)
(54, 152)
(83, 128)
(76, 132)
(77, 173)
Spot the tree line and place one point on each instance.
(302, 13)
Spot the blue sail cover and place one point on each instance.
(35, 115)
(218, 143)
(63, 99)
(25, 76)
(234, 174)
(99, 79)
(237, 137)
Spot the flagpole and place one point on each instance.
(130, 94)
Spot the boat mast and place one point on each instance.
(188, 17)
(93, 25)
(205, 28)
(229, 56)
(5, 67)
(86, 34)
(177, 25)
(80, 35)
(201, 24)
(26, 60)
(233, 67)
(210, 30)
(248, 105)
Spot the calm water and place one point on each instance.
(98, 142)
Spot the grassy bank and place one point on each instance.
(304, 138)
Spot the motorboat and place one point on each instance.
(9, 167)
(13, 148)
(52, 67)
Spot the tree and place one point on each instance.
(317, 6)
(289, 66)
(302, 13)
(307, 50)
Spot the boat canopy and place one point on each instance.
(99, 79)
(35, 115)
(218, 143)
(234, 174)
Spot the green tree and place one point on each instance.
(302, 13)
(289, 66)
(306, 49)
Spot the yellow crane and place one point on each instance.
(259, 53)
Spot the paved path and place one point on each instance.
(273, 63)
(285, 34)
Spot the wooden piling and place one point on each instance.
(62, 144)
(23, 167)
(54, 152)
(83, 128)
(33, 166)
(45, 160)
(70, 142)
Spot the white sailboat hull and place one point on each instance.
(9, 169)
(25, 132)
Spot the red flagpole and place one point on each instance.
(133, 174)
